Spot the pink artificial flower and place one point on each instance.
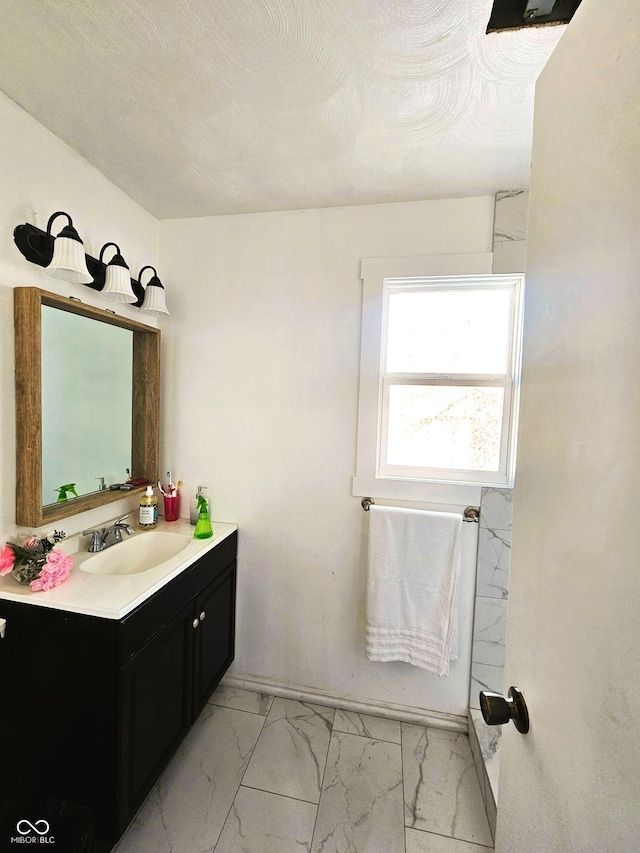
(32, 542)
(7, 559)
(54, 572)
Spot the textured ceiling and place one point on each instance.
(228, 106)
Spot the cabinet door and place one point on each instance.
(215, 635)
(156, 684)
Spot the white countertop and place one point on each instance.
(113, 596)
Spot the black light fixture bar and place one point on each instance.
(37, 247)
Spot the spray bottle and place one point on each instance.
(62, 492)
(203, 527)
(194, 506)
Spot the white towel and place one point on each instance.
(414, 563)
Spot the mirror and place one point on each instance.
(87, 404)
(87, 408)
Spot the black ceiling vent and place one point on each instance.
(516, 14)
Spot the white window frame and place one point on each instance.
(382, 276)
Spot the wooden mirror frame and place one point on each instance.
(28, 302)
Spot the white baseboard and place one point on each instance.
(389, 710)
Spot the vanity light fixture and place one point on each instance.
(154, 299)
(117, 281)
(68, 261)
(64, 257)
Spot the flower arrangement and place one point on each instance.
(36, 562)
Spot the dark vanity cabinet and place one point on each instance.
(92, 709)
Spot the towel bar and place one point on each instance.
(471, 513)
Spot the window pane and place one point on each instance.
(444, 427)
(449, 331)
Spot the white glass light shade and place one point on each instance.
(154, 301)
(117, 284)
(69, 262)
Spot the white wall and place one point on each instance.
(260, 404)
(573, 783)
(39, 174)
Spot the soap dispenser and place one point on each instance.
(203, 527)
(148, 508)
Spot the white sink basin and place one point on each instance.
(138, 553)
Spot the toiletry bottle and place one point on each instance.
(194, 506)
(203, 527)
(148, 509)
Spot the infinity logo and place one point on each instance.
(32, 827)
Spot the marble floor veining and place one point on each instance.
(262, 774)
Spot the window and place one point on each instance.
(447, 349)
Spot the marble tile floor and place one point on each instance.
(258, 774)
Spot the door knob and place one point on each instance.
(496, 710)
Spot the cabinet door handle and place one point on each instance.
(195, 622)
(203, 616)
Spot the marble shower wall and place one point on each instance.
(492, 592)
(494, 541)
(510, 231)
(487, 660)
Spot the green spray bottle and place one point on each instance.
(203, 526)
(62, 492)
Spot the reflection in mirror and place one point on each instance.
(86, 403)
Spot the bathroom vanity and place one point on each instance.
(102, 680)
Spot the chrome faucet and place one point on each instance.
(105, 537)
